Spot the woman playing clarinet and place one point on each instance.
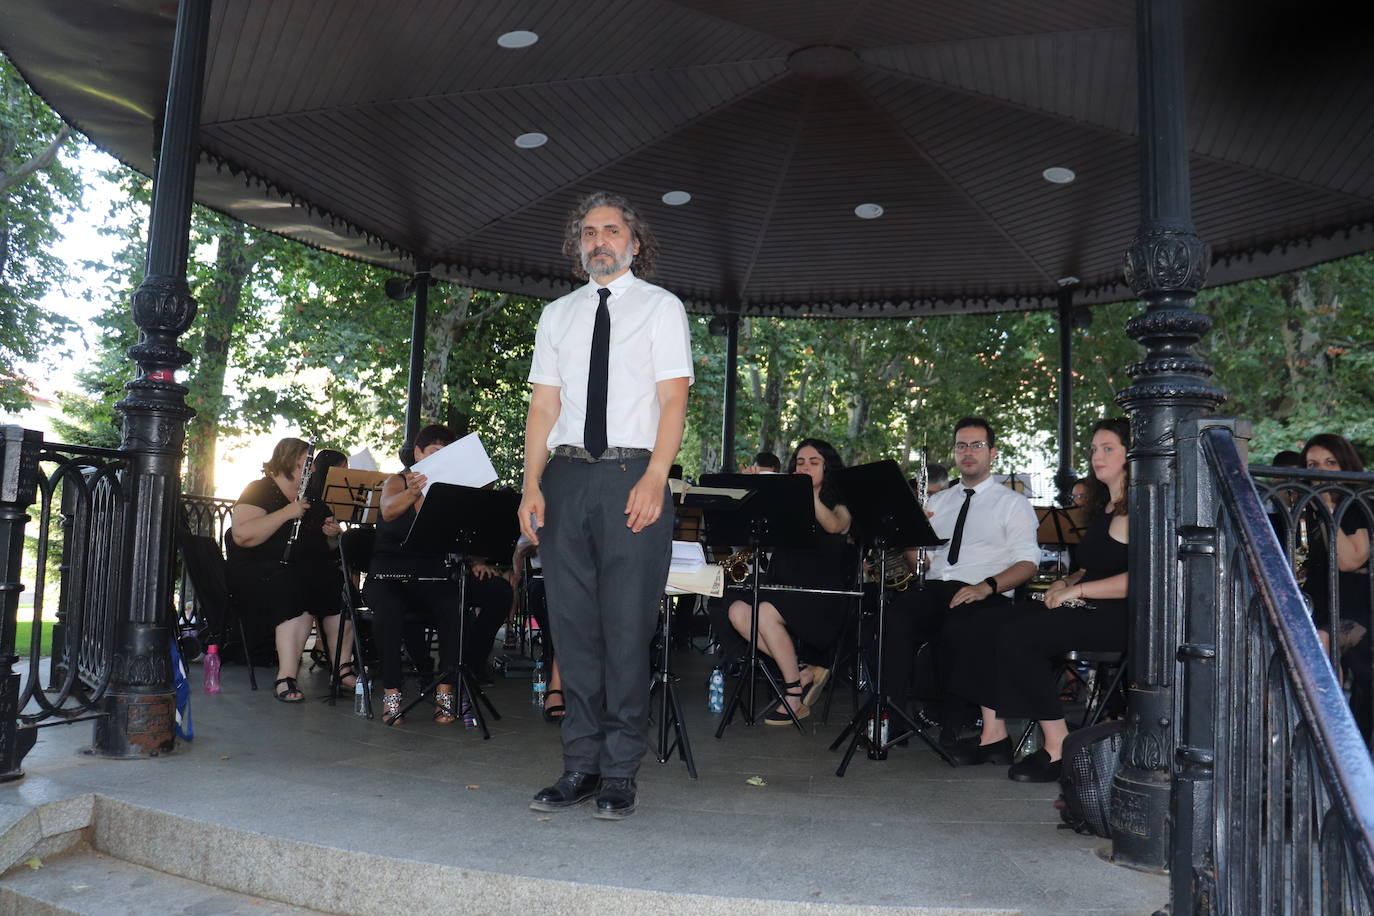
(282, 568)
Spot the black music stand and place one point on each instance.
(463, 521)
(348, 498)
(886, 512)
(672, 732)
(778, 513)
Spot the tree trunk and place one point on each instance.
(1307, 365)
(234, 261)
(769, 427)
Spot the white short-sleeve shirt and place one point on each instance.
(998, 531)
(650, 343)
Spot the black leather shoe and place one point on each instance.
(573, 788)
(1036, 767)
(616, 799)
(973, 753)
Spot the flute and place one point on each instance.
(300, 494)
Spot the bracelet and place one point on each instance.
(992, 583)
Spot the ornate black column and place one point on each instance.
(1165, 265)
(18, 490)
(727, 430)
(418, 320)
(1064, 478)
(140, 705)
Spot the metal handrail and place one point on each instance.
(1326, 729)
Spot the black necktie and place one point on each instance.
(953, 556)
(594, 432)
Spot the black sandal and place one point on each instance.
(291, 688)
(549, 711)
(792, 689)
(348, 669)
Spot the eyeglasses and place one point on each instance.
(970, 446)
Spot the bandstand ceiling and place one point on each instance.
(387, 130)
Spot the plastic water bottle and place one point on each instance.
(879, 733)
(361, 707)
(539, 686)
(465, 711)
(715, 692)
(211, 668)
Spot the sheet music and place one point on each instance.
(363, 460)
(464, 463)
(687, 557)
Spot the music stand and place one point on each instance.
(353, 503)
(886, 512)
(463, 521)
(672, 731)
(778, 513)
(1059, 528)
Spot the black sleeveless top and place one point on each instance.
(1100, 555)
(390, 558)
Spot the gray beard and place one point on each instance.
(605, 270)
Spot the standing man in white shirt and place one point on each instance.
(611, 370)
(991, 549)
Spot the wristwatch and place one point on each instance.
(992, 583)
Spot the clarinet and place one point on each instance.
(300, 494)
(922, 483)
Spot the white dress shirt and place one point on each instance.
(650, 343)
(998, 531)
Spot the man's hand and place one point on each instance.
(645, 504)
(482, 570)
(971, 593)
(531, 513)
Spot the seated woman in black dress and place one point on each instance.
(402, 583)
(1330, 452)
(1015, 676)
(814, 619)
(287, 596)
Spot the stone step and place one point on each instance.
(84, 882)
(104, 856)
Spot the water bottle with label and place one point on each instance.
(878, 736)
(466, 713)
(539, 685)
(361, 701)
(211, 665)
(715, 691)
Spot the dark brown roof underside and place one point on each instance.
(384, 131)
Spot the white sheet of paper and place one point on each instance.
(687, 556)
(464, 463)
(363, 460)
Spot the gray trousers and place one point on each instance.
(604, 583)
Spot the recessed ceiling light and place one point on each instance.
(531, 140)
(676, 198)
(517, 39)
(1056, 174)
(868, 211)
(1068, 281)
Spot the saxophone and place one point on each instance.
(737, 565)
(300, 494)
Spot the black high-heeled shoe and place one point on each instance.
(777, 717)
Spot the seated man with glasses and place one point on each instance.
(990, 550)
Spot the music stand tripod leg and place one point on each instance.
(466, 682)
(752, 669)
(670, 713)
(879, 703)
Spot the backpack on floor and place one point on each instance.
(1091, 758)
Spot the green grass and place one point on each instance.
(23, 634)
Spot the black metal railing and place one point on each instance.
(1274, 806)
(66, 519)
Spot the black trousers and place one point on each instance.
(918, 616)
(604, 583)
(398, 606)
(1007, 658)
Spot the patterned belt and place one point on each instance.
(614, 453)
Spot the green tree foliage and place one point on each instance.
(38, 193)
